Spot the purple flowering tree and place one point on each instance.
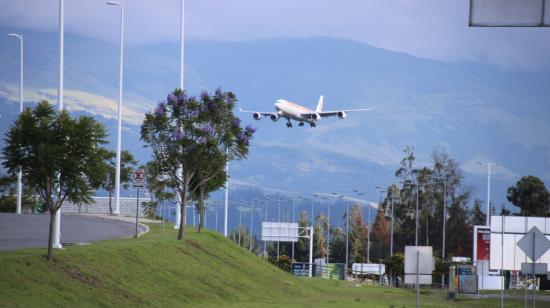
(224, 139)
(198, 135)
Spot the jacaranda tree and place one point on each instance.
(61, 158)
(194, 135)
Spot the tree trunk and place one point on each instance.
(183, 197)
(110, 200)
(201, 209)
(50, 234)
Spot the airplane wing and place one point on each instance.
(338, 113)
(259, 114)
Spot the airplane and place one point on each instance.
(293, 111)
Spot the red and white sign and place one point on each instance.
(482, 243)
(138, 179)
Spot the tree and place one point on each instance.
(157, 184)
(477, 215)
(358, 235)
(380, 235)
(127, 163)
(61, 158)
(8, 201)
(185, 133)
(531, 196)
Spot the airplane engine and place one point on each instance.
(316, 116)
(274, 117)
(257, 115)
(342, 114)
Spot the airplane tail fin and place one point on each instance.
(319, 105)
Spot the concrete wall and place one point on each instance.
(100, 205)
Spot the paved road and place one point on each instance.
(31, 230)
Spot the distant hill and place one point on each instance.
(475, 111)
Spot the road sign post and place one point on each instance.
(534, 244)
(138, 182)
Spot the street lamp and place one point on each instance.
(488, 165)
(20, 172)
(119, 127)
(57, 223)
(265, 218)
(252, 222)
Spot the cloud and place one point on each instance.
(432, 29)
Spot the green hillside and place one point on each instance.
(156, 270)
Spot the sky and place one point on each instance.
(434, 29)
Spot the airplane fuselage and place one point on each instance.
(290, 110)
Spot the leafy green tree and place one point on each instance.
(61, 158)
(358, 235)
(8, 200)
(531, 196)
(477, 215)
(127, 164)
(301, 253)
(319, 238)
(242, 237)
(189, 133)
(158, 185)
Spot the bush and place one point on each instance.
(283, 262)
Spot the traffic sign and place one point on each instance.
(534, 244)
(138, 179)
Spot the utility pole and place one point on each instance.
(488, 165)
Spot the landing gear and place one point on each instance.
(301, 124)
(288, 124)
(312, 124)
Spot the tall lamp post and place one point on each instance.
(119, 119)
(19, 173)
(265, 218)
(488, 165)
(57, 223)
(252, 222)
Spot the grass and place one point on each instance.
(204, 270)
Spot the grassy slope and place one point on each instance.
(156, 270)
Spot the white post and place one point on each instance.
(310, 251)
(251, 223)
(226, 206)
(182, 32)
(489, 165)
(178, 204)
(368, 235)
(265, 218)
(57, 224)
(19, 173)
(328, 234)
(179, 171)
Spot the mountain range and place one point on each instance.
(474, 111)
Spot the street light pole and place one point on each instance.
(20, 172)
(57, 224)
(119, 119)
(293, 220)
(392, 217)
(265, 218)
(279, 219)
(488, 165)
(328, 234)
(251, 222)
(368, 234)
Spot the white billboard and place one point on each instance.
(419, 258)
(368, 268)
(280, 231)
(506, 232)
